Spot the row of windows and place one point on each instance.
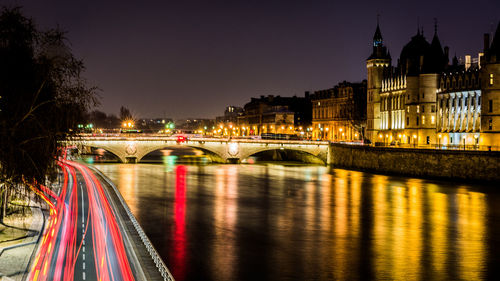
(464, 84)
(417, 120)
(422, 108)
(460, 102)
(329, 112)
(395, 103)
(453, 83)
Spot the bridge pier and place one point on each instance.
(232, 160)
(329, 155)
(130, 160)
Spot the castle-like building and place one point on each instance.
(425, 99)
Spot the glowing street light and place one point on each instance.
(128, 124)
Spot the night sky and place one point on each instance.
(184, 59)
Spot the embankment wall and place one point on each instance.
(435, 163)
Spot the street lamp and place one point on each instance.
(464, 141)
(439, 141)
(414, 140)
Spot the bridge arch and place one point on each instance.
(214, 156)
(319, 155)
(110, 150)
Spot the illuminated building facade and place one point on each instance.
(276, 115)
(401, 100)
(490, 88)
(339, 113)
(231, 115)
(425, 100)
(459, 105)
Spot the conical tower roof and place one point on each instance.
(377, 37)
(435, 59)
(493, 53)
(379, 50)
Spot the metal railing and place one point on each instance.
(194, 139)
(160, 265)
(470, 147)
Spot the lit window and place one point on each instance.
(418, 108)
(491, 78)
(423, 120)
(433, 120)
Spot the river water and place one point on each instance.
(275, 222)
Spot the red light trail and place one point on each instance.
(62, 245)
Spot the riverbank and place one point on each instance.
(19, 233)
(430, 163)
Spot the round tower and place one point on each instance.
(490, 92)
(376, 64)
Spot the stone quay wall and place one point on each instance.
(435, 163)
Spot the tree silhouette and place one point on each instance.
(125, 114)
(43, 96)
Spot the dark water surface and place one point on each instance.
(258, 222)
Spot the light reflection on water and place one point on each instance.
(253, 222)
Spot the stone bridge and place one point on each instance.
(133, 149)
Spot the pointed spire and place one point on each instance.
(379, 50)
(435, 26)
(494, 50)
(418, 25)
(455, 60)
(377, 37)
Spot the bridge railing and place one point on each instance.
(197, 139)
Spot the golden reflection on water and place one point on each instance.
(226, 193)
(382, 257)
(438, 204)
(340, 243)
(471, 234)
(128, 184)
(400, 212)
(343, 225)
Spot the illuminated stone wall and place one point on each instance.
(456, 164)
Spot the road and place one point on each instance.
(82, 239)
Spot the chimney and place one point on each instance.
(486, 42)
